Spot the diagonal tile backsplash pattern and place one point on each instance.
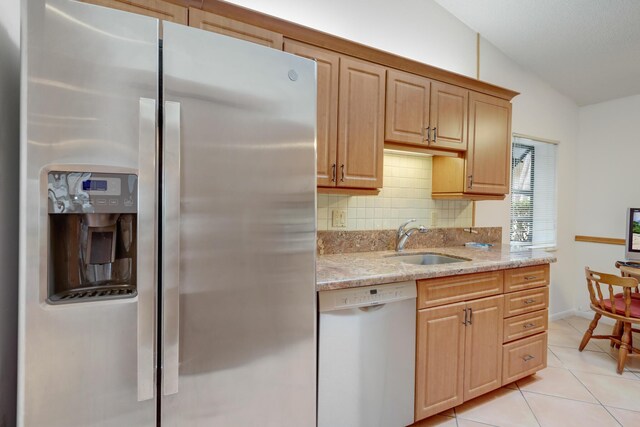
(406, 194)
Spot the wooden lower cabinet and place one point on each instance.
(525, 325)
(459, 354)
(475, 335)
(439, 359)
(524, 357)
(483, 347)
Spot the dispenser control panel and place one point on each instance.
(92, 192)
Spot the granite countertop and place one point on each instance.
(351, 270)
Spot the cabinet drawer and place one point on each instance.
(523, 357)
(445, 290)
(519, 279)
(525, 325)
(525, 301)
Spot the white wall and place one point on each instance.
(607, 182)
(423, 30)
(9, 161)
(416, 29)
(542, 112)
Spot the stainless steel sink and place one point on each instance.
(426, 259)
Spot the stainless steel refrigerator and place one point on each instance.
(167, 241)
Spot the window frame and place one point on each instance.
(529, 149)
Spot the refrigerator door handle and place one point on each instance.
(171, 249)
(147, 278)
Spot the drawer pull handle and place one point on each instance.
(528, 357)
(530, 277)
(529, 301)
(528, 325)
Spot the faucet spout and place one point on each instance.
(404, 234)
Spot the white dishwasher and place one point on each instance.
(366, 356)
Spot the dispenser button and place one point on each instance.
(113, 202)
(101, 201)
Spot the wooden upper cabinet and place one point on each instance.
(407, 111)
(328, 64)
(485, 171)
(229, 27)
(154, 8)
(449, 105)
(488, 166)
(483, 347)
(360, 123)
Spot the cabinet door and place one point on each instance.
(483, 347)
(488, 158)
(360, 123)
(327, 121)
(439, 359)
(229, 27)
(154, 8)
(449, 105)
(407, 112)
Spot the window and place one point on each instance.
(533, 192)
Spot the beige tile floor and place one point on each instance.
(576, 389)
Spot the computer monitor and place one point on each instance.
(633, 234)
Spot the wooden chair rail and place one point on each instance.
(604, 240)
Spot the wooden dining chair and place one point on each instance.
(609, 302)
(626, 271)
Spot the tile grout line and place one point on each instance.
(612, 416)
(582, 332)
(556, 356)
(601, 351)
(608, 353)
(598, 403)
(528, 406)
(594, 396)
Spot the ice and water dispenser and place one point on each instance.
(92, 236)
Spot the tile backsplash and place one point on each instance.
(406, 194)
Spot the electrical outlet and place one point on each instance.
(338, 218)
(434, 218)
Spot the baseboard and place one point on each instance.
(562, 315)
(584, 314)
(589, 315)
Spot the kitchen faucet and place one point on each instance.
(403, 234)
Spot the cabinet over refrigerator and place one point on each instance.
(167, 258)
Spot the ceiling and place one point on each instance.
(588, 50)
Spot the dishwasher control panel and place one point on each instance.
(342, 299)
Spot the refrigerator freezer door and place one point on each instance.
(89, 93)
(247, 352)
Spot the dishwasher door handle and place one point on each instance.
(371, 307)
